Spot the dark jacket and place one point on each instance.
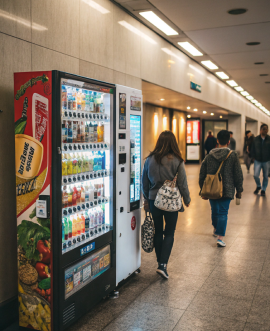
(232, 144)
(260, 151)
(210, 143)
(231, 172)
(248, 144)
(154, 176)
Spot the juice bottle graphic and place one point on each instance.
(78, 225)
(69, 132)
(74, 99)
(82, 194)
(40, 106)
(74, 165)
(74, 228)
(78, 198)
(63, 230)
(79, 163)
(83, 100)
(69, 164)
(64, 165)
(100, 132)
(66, 229)
(82, 223)
(74, 196)
(69, 227)
(70, 193)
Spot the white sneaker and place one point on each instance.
(221, 243)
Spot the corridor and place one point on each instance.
(209, 288)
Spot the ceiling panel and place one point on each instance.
(197, 14)
(250, 73)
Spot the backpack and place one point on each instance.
(213, 185)
(148, 232)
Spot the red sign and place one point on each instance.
(193, 131)
(133, 223)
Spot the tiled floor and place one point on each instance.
(210, 288)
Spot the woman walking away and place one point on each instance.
(163, 164)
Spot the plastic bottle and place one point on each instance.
(87, 163)
(82, 194)
(74, 227)
(87, 222)
(82, 223)
(82, 132)
(93, 101)
(70, 194)
(91, 192)
(95, 132)
(69, 132)
(63, 230)
(78, 198)
(79, 132)
(83, 163)
(69, 100)
(79, 163)
(91, 163)
(64, 197)
(78, 225)
(92, 224)
(87, 101)
(74, 165)
(91, 132)
(64, 97)
(64, 132)
(64, 165)
(86, 130)
(86, 190)
(66, 229)
(79, 100)
(95, 191)
(95, 162)
(74, 99)
(74, 131)
(69, 164)
(100, 132)
(83, 100)
(69, 227)
(74, 196)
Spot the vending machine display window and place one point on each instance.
(135, 161)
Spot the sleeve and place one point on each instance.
(206, 144)
(145, 180)
(182, 183)
(252, 149)
(238, 175)
(203, 172)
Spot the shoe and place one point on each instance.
(162, 271)
(262, 193)
(221, 243)
(214, 233)
(257, 190)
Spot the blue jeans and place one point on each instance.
(257, 170)
(220, 208)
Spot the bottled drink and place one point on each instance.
(64, 97)
(87, 222)
(87, 166)
(86, 130)
(95, 220)
(74, 131)
(69, 227)
(95, 101)
(86, 190)
(79, 100)
(74, 165)
(78, 198)
(74, 196)
(69, 100)
(63, 230)
(91, 101)
(79, 163)
(92, 223)
(82, 223)
(95, 132)
(100, 133)
(87, 101)
(66, 229)
(74, 227)
(69, 164)
(78, 131)
(95, 162)
(91, 192)
(83, 100)
(82, 194)
(69, 132)
(78, 222)
(64, 132)
(91, 163)
(91, 132)
(95, 191)
(64, 197)
(64, 165)
(70, 195)
(74, 99)
(84, 163)
(82, 132)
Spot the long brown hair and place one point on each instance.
(166, 144)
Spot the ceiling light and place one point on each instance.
(195, 109)
(212, 114)
(209, 64)
(159, 23)
(258, 104)
(263, 74)
(96, 6)
(188, 116)
(232, 83)
(239, 88)
(249, 97)
(222, 75)
(253, 43)
(136, 31)
(162, 99)
(204, 112)
(220, 116)
(262, 108)
(188, 107)
(238, 11)
(191, 49)
(258, 62)
(245, 93)
(254, 101)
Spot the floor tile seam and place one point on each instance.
(126, 307)
(256, 289)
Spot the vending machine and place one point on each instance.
(66, 194)
(193, 140)
(129, 116)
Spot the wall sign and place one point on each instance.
(135, 103)
(122, 110)
(195, 87)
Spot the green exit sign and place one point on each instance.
(195, 87)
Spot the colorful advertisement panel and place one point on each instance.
(32, 111)
(193, 131)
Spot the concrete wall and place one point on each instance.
(72, 36)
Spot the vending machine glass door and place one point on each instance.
(135, 162)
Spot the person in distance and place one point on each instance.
(210, 142)
(247, 149)
(232, 178)
(260, 152)
(232, 144)
(162, 164)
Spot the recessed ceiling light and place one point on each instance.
(159, 23)
(263, 74)
(204, 112)
(253, 43)
(239, 89)
(188, 107)
(191, 49)
(195, 109)
(254, 101)
(245, 93)
(209, 64)
(212, 114)
(232, 83)
(258, 104)
(220, 116)
(249, 97)
(237, 11)
(188, 116)
(162, 99)
(222, 75)
(258, 62)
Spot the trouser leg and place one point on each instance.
(265, 166)
(157, 215)
(257, 170)
(170, 220)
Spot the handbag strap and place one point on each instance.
(221, 164)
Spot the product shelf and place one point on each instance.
(84, 147)
(85, 176)
(75, 115)
(84, 206)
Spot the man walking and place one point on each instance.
(232, 178)
(210, 142)
(260, 152)
(232, 144)
(247, 149)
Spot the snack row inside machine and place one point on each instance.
(78, 158)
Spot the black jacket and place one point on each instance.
(260, 150)
(231, 172)
(232, 144)
(210, 143)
